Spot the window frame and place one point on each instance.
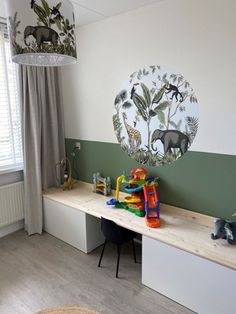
(9, 168)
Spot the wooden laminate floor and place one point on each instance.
(38, 272)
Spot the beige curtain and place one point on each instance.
(43, 137)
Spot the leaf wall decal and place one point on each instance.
(161, 116)
(140, 99)
(140, 108)
(163, 105)
(46, 7)
(58, 6)
(157, 98)
(146, 94)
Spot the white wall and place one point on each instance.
(194, 37)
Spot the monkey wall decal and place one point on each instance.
(175, 92)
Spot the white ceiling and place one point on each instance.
(89, 11)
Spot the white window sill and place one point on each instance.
(7, 169)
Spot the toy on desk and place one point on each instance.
(68, 181)
(224, 229)
(143, 199)
(152, 205)
(101, 185)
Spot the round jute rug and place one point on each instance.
(68, 310)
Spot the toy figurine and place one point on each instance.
(68, 181)
(101, 185)
(224, 229)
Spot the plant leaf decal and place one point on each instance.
(192, 123)
(157, 98)
(153, 68)
(163, 105)
(139, 106)
(58, 23)
(146, 94)
(140, 100)
(41, 14)
(58, 6)
(126, 105)
(172, 123)
(46, 7)
(161, 116)
(39, 10)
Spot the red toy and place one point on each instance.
(152, 205)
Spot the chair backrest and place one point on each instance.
(114, 233)
(111, 231)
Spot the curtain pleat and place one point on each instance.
(43, 137)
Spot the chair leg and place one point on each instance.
(118, 260)
(99, 264)
(134, 252)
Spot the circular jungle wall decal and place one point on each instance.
(156, 116)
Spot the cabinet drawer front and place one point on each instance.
(199, 284)
(65, 223)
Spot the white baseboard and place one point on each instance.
(11, 228)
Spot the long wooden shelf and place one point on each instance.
(180, 228)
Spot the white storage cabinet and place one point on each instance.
(197, 283)
(71, 225)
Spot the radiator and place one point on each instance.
(11, 203)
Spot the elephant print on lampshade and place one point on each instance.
(42, 32)
(155, 116)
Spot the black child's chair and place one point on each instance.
(117, 235)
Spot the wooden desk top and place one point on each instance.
(180, 228)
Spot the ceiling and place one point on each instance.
(89, 11)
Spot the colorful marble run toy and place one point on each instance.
(143, 199)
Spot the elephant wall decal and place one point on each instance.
(170, 139)
(41, 34)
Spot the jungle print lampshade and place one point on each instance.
(42, 32)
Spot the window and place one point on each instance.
(10, 122)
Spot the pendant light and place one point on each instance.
(42, 32)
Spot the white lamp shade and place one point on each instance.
(42, 32)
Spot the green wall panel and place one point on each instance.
(201, 182)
